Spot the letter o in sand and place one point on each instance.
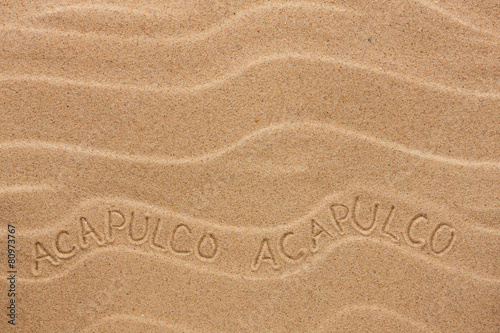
(207, 247)
(447, 241)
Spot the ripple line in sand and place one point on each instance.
(96, 7)
(263, 132)
(305, 268)
(456, 18)
(27, 188)
(158, 210)
(137, 319)
(148, 88)
(240, 15)
(385, 311)
(343, 311)
(485, 230)
(190, 36)
(408, 252)
(162, 211)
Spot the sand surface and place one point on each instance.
(251, 166)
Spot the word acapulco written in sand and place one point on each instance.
(266, 250)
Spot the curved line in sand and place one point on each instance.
(485, 229)
(27, 188)
(96, 7)
(263, 132)
(240, 15)
(306, 267)
(137, 319)
(386, 311)
(408, 252)
(228, 24)
(154, 209)
(60, 81)
(194, 36)
(343, 311)
(456, 18)
(162, 211)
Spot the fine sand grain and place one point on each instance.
(250, 166)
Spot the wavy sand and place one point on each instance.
(227, 166)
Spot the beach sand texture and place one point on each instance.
(251, 166)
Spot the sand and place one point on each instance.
(250, 166)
